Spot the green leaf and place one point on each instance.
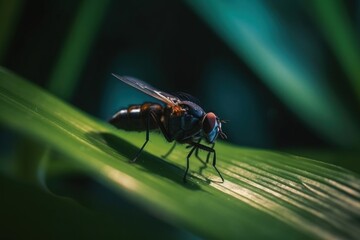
(266, 44)
(341, 35)
(265, 194)
(76, 48)
(44, 216)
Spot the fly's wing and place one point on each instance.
(187, 97)
(150, 90)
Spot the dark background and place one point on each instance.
(168, 45)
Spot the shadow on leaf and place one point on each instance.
(148, 162)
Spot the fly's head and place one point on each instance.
(211, 126)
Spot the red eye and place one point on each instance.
(209, 122)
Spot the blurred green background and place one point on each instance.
(285, 74)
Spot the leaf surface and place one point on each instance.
(265, 194)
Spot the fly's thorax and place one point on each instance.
(184, 126)
(192, 109)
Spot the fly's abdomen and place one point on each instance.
(135, 117)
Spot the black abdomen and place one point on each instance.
(135, 117)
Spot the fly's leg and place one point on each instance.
(166, 134)
(197, 152)
(208, 155)
(187, 162)
(161, 126)
(201, 169)
(210, 150)
(214, 165)
(170, 151)
(146, 139)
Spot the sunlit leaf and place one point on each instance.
(265, 194)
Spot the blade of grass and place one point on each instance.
(265, 194)
(22, 204)
(257, 36)
(341, 35)
(77, 47)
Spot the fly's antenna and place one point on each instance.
(222, 134)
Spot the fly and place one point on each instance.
(179, 119)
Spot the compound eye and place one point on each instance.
(209, 122)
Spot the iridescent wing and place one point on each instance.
(187, 97)
(150, 90)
